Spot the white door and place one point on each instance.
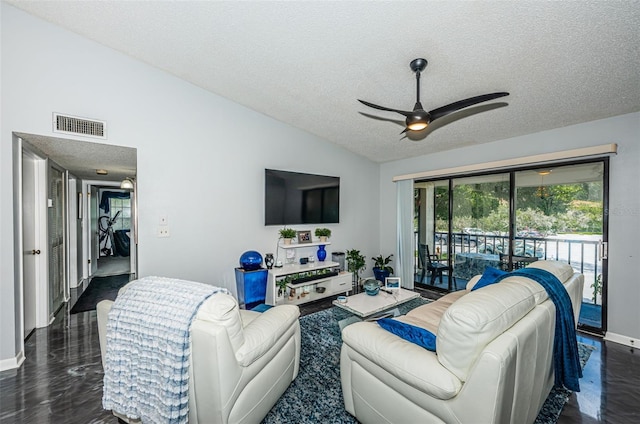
(56, 233)
(93, 228)
(73, 223)
(35, 287)
(133, 235)
(31, 248)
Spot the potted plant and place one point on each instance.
(287, 234)
(323, 234)
(282, 286)
(381, 268)
(356, 263)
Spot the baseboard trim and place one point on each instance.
(77, 284)
(12, 363)
(622, 339)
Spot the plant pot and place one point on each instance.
(380, 274)
(287, 241)
(323, 239)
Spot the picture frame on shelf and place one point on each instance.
(392, 283)
(304, 237)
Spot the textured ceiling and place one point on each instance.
(306, 63)
(82, 159)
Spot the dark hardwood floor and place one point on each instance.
(61, 378)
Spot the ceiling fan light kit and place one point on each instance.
(418, 119)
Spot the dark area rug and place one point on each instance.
(100, 288)
(315, 396)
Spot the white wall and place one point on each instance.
(624, 216)
(201, 158)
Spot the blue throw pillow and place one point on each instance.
(411, 333)
(489, 277)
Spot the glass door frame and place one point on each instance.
(512, 218)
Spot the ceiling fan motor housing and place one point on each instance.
(418, 119)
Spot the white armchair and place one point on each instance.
(241, 361)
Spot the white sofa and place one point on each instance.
(241, 361)
(493, 360)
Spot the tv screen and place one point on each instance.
(295, 198)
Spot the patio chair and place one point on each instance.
(518, 261)
(432, 264)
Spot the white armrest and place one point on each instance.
(407, 361)
(264, 331)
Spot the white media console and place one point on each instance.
(305, 283)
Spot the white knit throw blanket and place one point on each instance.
(146, 372)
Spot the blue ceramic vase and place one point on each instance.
(322, 254)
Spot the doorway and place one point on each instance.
(50, 172)
(112, 224)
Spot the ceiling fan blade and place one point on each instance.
(399, 122)
(401, 112)
(461, 104)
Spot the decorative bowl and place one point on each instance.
(371, 287)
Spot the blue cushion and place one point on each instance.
(262, 307)
(489, 276)
(411, 333)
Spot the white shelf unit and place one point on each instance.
(306, 291)
(302, 245)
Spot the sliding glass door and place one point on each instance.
(559, 215)
(480, 218)
(511, 218)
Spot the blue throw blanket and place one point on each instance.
(146, 372)
(566, 361)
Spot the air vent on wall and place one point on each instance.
(79, 126)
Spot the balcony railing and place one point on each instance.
(581, 254)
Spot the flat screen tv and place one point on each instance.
(295, 198)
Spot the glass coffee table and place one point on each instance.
(362, 306)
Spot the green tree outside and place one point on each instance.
(575, 208)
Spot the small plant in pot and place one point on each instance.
(381, 268)
(323, 234)
(287, 234)
(282, 286)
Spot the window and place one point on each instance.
(123, 222)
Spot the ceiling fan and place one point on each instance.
(418, 119)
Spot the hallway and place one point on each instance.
(113, 265)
